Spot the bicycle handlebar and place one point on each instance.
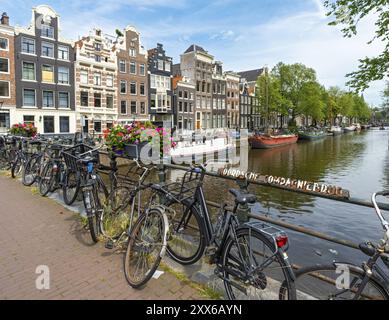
(384, 223)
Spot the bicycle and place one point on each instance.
(346, 281)
(32, 171)
(250, 257)
(83, 160)
(21, 158)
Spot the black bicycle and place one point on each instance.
(346, 281)
(250, 257)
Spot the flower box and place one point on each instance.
(134, 151)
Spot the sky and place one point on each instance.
(243, 34)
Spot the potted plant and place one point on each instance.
(115, 139)
(23, 130)
(139, 135)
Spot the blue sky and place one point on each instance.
(244, 34)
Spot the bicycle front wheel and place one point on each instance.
(71, 187)
(16, 167)
(92, 207)
(146, 246)
(31, 170)
(253, 269)
(46, 181)
(338, 282)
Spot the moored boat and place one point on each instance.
(349, 129)
(270, 141)
(335, 130)
(311, 135)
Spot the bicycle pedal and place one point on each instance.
(109, 245)
(211, 251)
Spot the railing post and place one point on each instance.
(243, 210)
(161, 174)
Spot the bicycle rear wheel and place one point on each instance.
(253, 270)
(337, 282)
(31, 170)
(17, 166)
(47, 179)
(92, 207)
(145, 248)
(187, 240)
(71, 187)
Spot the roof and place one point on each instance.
(251, 75)
(194, 48)
(176, 69)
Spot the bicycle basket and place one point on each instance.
(73, 154)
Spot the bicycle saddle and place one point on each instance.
(87, 160)
(242, 197)
(35, 142)
(56, 147)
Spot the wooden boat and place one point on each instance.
(336, 130)
(312, 135)
(349, 129)
(270, 141)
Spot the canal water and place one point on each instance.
(358, 162)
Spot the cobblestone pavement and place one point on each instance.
(36, 231)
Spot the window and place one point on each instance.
(143, 108)
(29, 120)
(4, 65)
(142, 69)
(109, 81)
(153, 101)
(132, 52)
(123, 86)
(84, 77)
(47, 31)
(29, 97)
(97, 79)
(48, 99)
(180, 106)
(64, 124)
(48, 124)
(123, 107)
(160, 64)
(109, 125)
(97, 58)
(168, 66)
(84, 99)
(97, 97)
(133, 107)
(133, 67)
(152, 81)
(186, 96)
(98, 46)
(142, 89)
(28, 45)
(4, 89)
(122, 66)
(63, 53)
(47, 73)
(3, 44)
(63, 75)
(109, 101)
(63, 99)
(28, 72)
(47, 50)
(97, 126)
(133, 87)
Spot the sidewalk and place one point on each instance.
(36, 231)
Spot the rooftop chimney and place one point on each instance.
(4, 19)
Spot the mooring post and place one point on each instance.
(243, 210)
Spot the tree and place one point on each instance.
(346, 104)
(348, 13)
(385, 95)
(311, 102)
(361, 109)
(292, 79)
(331, 107)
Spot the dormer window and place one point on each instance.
(98, 46)
(98, 33)
(47, 31)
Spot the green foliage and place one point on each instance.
(118, 33)
(349, 13)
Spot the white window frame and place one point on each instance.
(120, 87)
(28, 38)
(133, 63)
(97, 75)
(125, 66)
(136, 89)
(125, 102)
(49, 44)
(132, 52)
(24, 105)
(67, 50)
(68, 94)
(87, 76)
(109, 76)
(2, 72)
(144, 86)
(9, 89)
(7, 47)
(59, 122)
(63, 83)
(106, 101)
(34, 71)
(53, 106)
(49, 28)
(142, 66)
(48, 65)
